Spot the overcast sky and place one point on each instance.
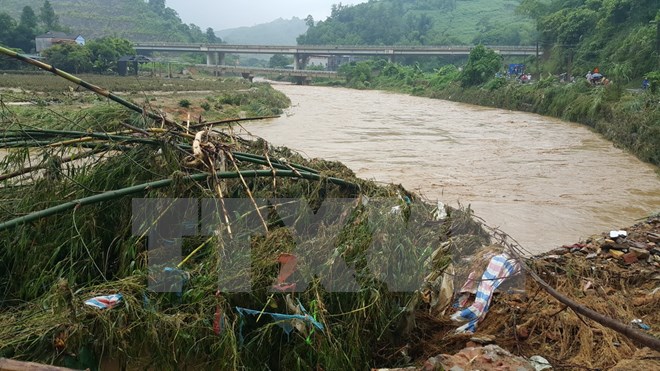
(222, 14)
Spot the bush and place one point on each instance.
(185, 103)
(654, 81)
(481, 65)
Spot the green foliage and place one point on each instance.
(581, 34)
(481, 66)
(445, 76)
(69, 57)
(654, 81)
(105, 52)
(136, 20)
(211, 37)
(422, 22)
(357, 74)
(47, 15)
(279, 61)
(185, 103)
(621, 71)
(495, 83)
(24, 33)
(99, 55)
(7, 27)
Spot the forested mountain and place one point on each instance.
(622, 37)
(137, 20)
(278, 32)
(424, 22)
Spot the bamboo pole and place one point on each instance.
(115, 194)
(29, 169)
(229, 121)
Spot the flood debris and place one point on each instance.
(489, 357)
(105, 301)
(378, 284)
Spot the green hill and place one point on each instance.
(424, 22)
(136, 20)
(278, 32)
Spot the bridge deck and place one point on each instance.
(390, 50)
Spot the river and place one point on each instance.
(544, 181)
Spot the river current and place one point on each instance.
(544, 181)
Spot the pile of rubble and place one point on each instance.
(616, 274)
(638, 244)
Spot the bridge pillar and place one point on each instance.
(220, 58)
(211, 59)
(247, 76)
(300, 61)
(302, 80)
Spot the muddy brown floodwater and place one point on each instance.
(544, 181)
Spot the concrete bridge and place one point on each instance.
(301, 76)
(215, 53)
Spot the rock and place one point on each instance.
(483, 340)
(642, 254)
(490, 357)
(540, 363)
(653, 237)
(522, 332)
(637, 244)
(617, 254)
(593, 255)
(630, 258)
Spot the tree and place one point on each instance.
(105, 52)
(48, 16)
(7, 29)
(309, 21)
(69, 57)
(157, 6)
(26, 30)
(481, 66)
(211, 37)
(279, 61)
(29, 19)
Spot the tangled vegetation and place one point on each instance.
(81, 164)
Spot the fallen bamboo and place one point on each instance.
(111, 195)
(29, 169)
(229, 121)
